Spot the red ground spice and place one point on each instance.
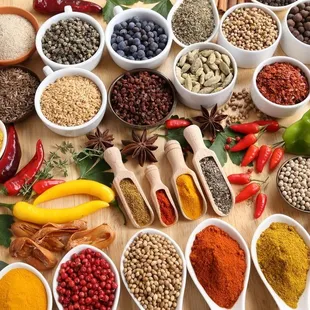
(166, 209)
(219, 264)
(283, 83)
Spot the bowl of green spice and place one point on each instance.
(280, 252)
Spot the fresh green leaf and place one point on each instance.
(207, 143)
(2, 265)
(107, 11)
(163, 7)
(150, 1)
(6, 221)
(218, 147)
(105, 178)
(177, 134)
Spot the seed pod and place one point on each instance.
(217, 72)
(182, 61)
(211, 58)
(199, 72)
(223, 77)
(209, 75)
(206, 68)
(178, 73)
(196, 88)
(224, 68)
(206, 90)
(186, 67)
(188, 84)
(203, 59)
(184, 75)
(228, 80)
(212, 81)
(202, 78)
(226, 59)
(206, 53)
(192, 56)
(218, 61)
(213, 66)
(217, 89)
(217, 54)
(196, 65)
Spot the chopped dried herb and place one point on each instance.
(17, 90)
(210, 122)
(140, 147)
(99, 140)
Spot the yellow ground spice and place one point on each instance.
(21, 289)
(1, 138)
(191, 199)
(284, 259)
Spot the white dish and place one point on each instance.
(77, 250)
(35, 272)
(233, 233)
(267, 106)
(216, 22)
(304, 301)
(119, 16)
(90, 63)
(195, 100)
(178, 249)
(245, 58)
(74, 131)
(290, 45)
(275, 8)
(5, 136)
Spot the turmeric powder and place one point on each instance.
(191, 200)
(21, 289)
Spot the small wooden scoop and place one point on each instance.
(194, 137)
(153, 176)
(179, 167)
(113, 157)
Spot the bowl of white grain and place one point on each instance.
(71, 102)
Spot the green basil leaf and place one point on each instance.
(207, 143)
(105, 178)
(177, 134)
(2, 265)
(6, 221)
(163, 7)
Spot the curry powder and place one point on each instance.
(283, 257)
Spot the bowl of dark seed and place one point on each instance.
(153, 270)
(295, 40)
(138, 38)
(18, 87)
(204, 74)
(293, 182)
(251, 32)
(142, 98)
(193, 21)
(71, 102)
(70, 40)
(276, 5)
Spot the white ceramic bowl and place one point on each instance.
(74, 131)
(90, 63)
(35, 272)
(290, 45)
(195, 100)
(275, 8)
(77, 250)
(4, 132)
(119, 16)
(233, 233)
(245, 58)
(267, 106)
(216, 21)
(179, 251)
(304, 301)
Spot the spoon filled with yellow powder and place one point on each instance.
(22, 289)
(281, 255)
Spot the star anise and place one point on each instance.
(140, 147)
(99, 140)
(210, 122)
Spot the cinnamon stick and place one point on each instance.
(222, 7)
(242, 1)
(231, 3)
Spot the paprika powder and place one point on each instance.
(283, 83)
(167, 213)
(219, 264)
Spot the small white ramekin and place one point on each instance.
(18, 265)
(73, 131)
(195, 100)
(76, 250)
(4, 132)
(245, 58)
(216, 22)
(119, 16)
(90, 63)
(268, 107)
(275, 8)
(290, 45)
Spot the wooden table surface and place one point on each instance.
(241, 217)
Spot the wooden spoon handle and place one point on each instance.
(175, 155)
(194, 137)
(114, 158)
(153, 176)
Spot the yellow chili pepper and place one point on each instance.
(87, 187)
(27, 212)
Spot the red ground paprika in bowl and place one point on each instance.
(286, 85)
(219, 262)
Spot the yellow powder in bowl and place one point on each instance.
(1, 139)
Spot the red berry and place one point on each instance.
(229, 140)
(227, 147)
(237, 138)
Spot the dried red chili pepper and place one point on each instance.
(247, 192)
(246, 128)
(260, 204)
(26, 175)
(177, 123)
(270, 125)
(263, 157)
(42, 185)
(11, 157)
(250, 155)
(244, 143)
(58, 6)
(276, 158)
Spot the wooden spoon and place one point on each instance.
(113, 157)
(153, 176)
(194, 137)
(179, 167)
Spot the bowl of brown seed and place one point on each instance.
(71, 102)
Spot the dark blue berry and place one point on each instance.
(135, 55)
(138, 24)
(127, 49)
(114, 46)
(141, 47)
(160, 31)
(151, 40)
(136, 41)
(156, 27)
(133, 48)
(135, 29)
(158, 51)
(163, 38)
(121, 53)
(121, 46)
(118, 27)
(144, 37)
(123, 32)
(141, 54)
(131, 58)
(119, 39)
(150, 34)
(130, 32)
(157, 39)
(127, 36)
(113, 35)
(130, 42)
(113, 40)
(137, 35)
(144, 23)
(162, 45)
(145, 43)
(124, 24)
(151, 24)
(144, 58)
(135, 19)
(149, 54)
(153, 46)
(147, 28)
(131, 25)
